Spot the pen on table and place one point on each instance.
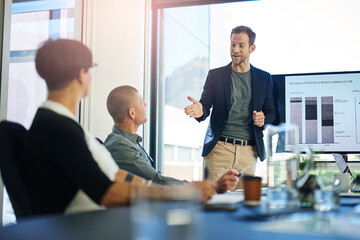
(206, 172)
(241, 173)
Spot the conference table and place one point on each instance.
(242, 223)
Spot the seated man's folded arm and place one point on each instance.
(131, 159)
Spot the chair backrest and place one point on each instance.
(12, 142)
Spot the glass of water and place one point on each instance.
(326, 199)
(282, 200)
(174, 218)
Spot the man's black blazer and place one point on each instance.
(217, 94)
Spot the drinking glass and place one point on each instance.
(284, 153)
(326, 199)
(176, 218)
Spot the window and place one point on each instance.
(194, 39)
(34, 21)
(185, 66)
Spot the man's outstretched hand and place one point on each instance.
(194, 110)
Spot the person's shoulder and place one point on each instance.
(220, 69)
(115, 140)
(259, 71)
(121, 149)
(51, 121)
(46, 114)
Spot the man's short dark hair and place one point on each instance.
(247, 30)
(119, 101)
(59, 61)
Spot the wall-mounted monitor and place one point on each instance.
(325, 107)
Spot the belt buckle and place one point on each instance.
(242, 142)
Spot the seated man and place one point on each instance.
(67, 170)
(127, 109)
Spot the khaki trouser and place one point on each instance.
(226, 156)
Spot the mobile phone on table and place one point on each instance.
(219, 207)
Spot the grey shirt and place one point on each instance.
(127, 152)
(240, 123)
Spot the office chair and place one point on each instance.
(12, 141)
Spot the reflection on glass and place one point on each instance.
(185, 66)
(35, 21)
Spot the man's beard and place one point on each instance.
(238, 62)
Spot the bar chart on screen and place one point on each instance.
(326, 108)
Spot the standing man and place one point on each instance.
(242, 101)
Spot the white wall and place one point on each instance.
(115, 32)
